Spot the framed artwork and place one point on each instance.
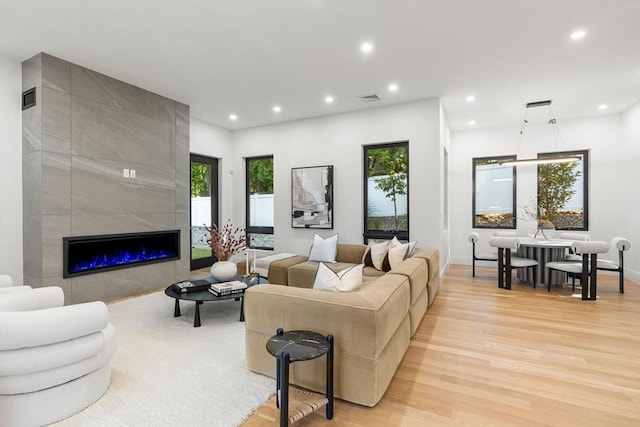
(312, 197)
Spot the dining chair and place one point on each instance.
(474, 237)
(506, 234)
(574, 237)
(586, 269)
(622, 245)
(506, 262)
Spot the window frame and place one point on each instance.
(585, 184)
(215, 179)
(249, 229)
(382, 234)
(497, 159)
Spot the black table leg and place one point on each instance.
(242, 308)
(329, 411)
(284, 388)
(176, 309)
(196, 315)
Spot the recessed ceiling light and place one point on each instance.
(603, 107)
(366, 47)
(233, 117)
(277, 109)
(393, 87)
(472, 122)
(470, 98)
(578, 35)
(328, 99)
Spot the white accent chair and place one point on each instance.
(586, 269)
(54, 359)
(622, 245)
(506, 262)
(474, 238)
(6, 285)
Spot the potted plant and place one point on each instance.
(224, 244)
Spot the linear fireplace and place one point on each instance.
(94, 254)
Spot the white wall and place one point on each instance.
(337, 140)
(212, 141)
(631, 139)
(614, 174)
(11, 169)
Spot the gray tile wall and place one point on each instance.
(85, 129)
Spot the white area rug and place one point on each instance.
(166, 372)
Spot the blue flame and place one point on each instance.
(121, 258)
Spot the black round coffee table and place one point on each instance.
(200, 297)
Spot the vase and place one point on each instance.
(546, 229)
(223, 271)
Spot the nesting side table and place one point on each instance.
(295, 346)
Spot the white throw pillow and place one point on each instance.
(346, 280)
(397, 254)
(378, 252)
(324, 250)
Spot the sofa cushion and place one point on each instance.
(324, 250)
(415, 269)
(350, 253)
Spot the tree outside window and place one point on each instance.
(386, 190)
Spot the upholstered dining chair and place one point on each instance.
(622, 245)
(54, 359)
(574, 237)
(474, 237)
(586, 269)
(507, 262)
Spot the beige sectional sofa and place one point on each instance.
(371, 326)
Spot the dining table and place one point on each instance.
(543, 251)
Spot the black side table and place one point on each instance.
(294, 346)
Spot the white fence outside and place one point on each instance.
(381, 206)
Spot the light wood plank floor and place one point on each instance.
(484, 356)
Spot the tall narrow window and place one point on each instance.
(259, 179)
(568, 182)
(386, 191)
(204, 208)
(494, 193)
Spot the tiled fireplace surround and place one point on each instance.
(84, 130)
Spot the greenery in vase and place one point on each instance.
(227, 241)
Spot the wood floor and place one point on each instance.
(484, 356)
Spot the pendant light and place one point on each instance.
(556, 136)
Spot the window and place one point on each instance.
(204, 208)
(259, 180)
(494, 193)
(386, 191)
(570, 182)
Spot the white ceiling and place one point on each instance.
(244, 56)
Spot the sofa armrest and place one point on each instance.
(432, 256)
(32, 299)
(20, 329)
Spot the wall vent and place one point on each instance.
(369, 98)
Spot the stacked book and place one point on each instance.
(228, 288)
(191, 286)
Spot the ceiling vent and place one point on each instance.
(369, 98)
